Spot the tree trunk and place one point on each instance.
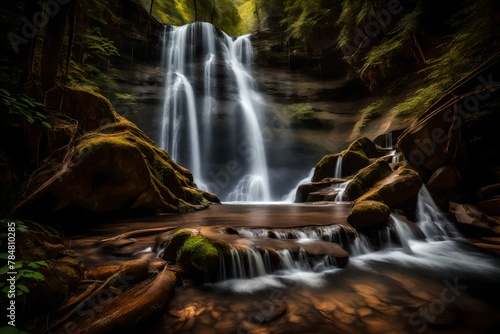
(26, 51)
(213, 12)
(256, 4)
(195, 11)
(52, 46)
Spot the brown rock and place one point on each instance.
(305, 190)
(397, 190)
(445, 316)
(490, 191)
(491, 206)
(366, 146)
(325, 167)
(367, 178)
(352, 161)
(443, 180)
(368, 213)
(471, 221)
(114, 168)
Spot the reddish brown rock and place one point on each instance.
(491, 206)
(443, 180)
(397, 190)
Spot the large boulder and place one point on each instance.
(305, 190)
(195, 253)
(443, 180)
(471, 221)
(365, 146)
(367, 178)
(114, 168)
(325, 168)
(368, 213)
(352, 161)
(397, 191)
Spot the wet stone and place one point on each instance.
(437, 314)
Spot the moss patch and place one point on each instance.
(197, 253)
(368, 213)
(365, 146)
(367, 178)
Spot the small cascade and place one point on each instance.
(338, 168)
(361, 245)
(332, 233)
(204, 69)
(431, 221)
(290, 198)
(286, 259)
(340, 188)
(249, 262)
(388, 140)
(405, 233)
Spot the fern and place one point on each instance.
(23, 107)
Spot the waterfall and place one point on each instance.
(338, 168)
(249, 262)
(388, 140)
(431, 221)
(361, 245)
(405, 233)
(211, 111)
(340, 187)
(290, 198)
(332, 233)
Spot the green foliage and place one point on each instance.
(300, 111)
(97, 46)
(302, 16)
(11, 330)
(23, 107)
(348, 19)
(226, 16)
(373, 111)
(395, 41)
(247, 13)
(20, 226)
(460, 55)
(27, 271)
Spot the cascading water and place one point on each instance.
(211, 111)
(290, 198)
(339, 187)
(430, 219)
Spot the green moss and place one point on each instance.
(364, 146)
(325, 167)
(197, 252)
(367, 178)
(300, 111)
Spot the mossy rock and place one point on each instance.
(114, 169)
(367, 178)
(325, 168)
(89, 108)
(368, 213)
(365, 146)
(195, 253)
(398, 190)
(353, 161)
(176, 242)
